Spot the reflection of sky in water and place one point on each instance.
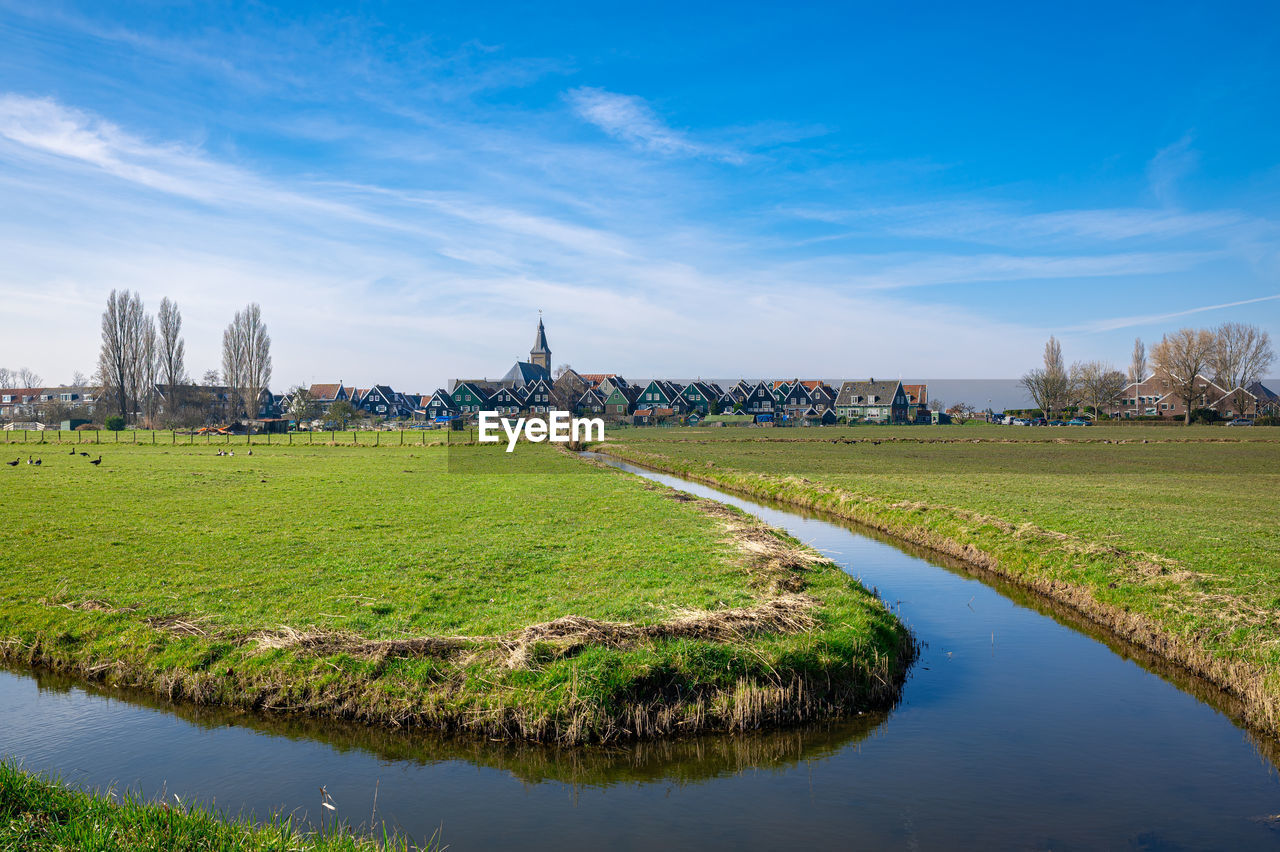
(1013, 730)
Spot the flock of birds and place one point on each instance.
(95, 462)
(38, 462)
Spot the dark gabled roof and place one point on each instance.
(541, 385)
(867, 393)
(1262, 392)
(590, 395)
(823, 391)
(502, 394)
(440, 397)
(477, 389)
(523, 373)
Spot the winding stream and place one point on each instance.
(1018, 728)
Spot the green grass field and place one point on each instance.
(1170, 536)
(430, 586)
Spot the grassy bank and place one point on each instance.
(37, 813)
(1172, 543)
(526, 596)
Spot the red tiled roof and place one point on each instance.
(597, 378)
(324, 391)
(916, 394)
(34, 393)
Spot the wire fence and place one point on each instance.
(150, 437)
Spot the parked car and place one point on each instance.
(1021, 421)
(1078, 422)
(1240, 421)
(1039, 421)
(1057, 423)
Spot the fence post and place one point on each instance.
(377, 436)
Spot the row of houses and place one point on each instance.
(613, 397)
(1156, 396)
(528, 388)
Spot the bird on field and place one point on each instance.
(29, 461)
(38, 462)
(13, 463)
(72, 453)
(251, 452)
(96, 461)
(86, 455)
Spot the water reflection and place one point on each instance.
(687, 760)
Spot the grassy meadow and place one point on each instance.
(531, 595)
(1169, 536)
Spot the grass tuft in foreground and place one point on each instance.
(39, 814)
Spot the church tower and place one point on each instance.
(540, 354)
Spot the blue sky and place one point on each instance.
(705, 189)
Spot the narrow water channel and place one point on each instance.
(1017, 728)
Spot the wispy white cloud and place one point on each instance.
(1114, 323)
(1169, 167)
(631, 119)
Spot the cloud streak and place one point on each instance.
(631, 119)
(1152, 319)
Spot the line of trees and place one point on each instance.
(139, 351)
(23, 377)
(1233, 355)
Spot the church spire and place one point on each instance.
(540, 354)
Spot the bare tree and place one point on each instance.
(302, 407)
(150, 370)
(28, 378)
(1097, 383)
(1050, 387)
(79, 379)
(257, 360)
(961, 412)
(233, 364)
(561, 370)
(1179, 358)
(1039, 386)
(246, 359)
(122, 350)
(172, 368)
(211, 378)
(1138, 361)
(1241, 355)
(935, 404)
(7, 377)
